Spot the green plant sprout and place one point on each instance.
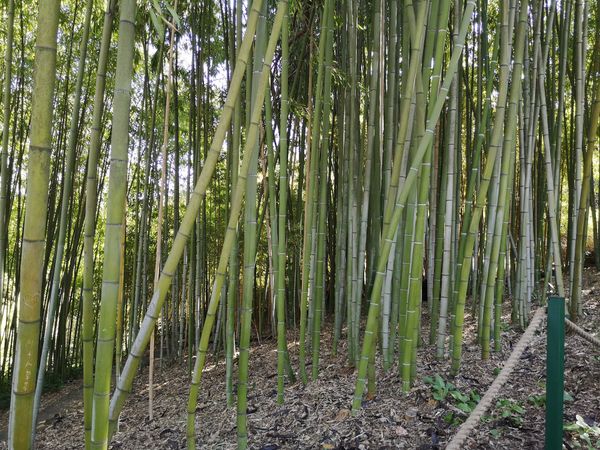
(584, 435)
(443, 390)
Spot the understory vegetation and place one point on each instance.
(181, 181)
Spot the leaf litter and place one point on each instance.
(318, 415)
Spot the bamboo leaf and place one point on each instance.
(174, 15)
(158, 26)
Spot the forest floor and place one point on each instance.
(317, 416)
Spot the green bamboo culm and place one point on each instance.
(552, 187)
(34, 232)
(445, 228)
(501, 230)
(320, 268)
(251, 152)
(577, 191)
(283, 195)
(416, 26)
(369, 169)
(271, 208)
(388, 236)
(390, 303)
(415, 246)
(64, 215)
(232, 288)
(311, 192)
(592, 138)
(115, 214)
(473, 226)
(506, 157)
(353, 133)
(374, 165)
(4, 177)
(414, 300)
(140, 343)
(230, 235)
(87, 331)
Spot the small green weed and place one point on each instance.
(539, 400)
(510, 411)
(443, 390)
(465, 402)
(439, 386)
(495, 433)
(584, 435)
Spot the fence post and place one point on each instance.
(555, 368)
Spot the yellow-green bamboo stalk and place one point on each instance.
(352, 238)
(236, 206)
(322, 199)
(161, 199)
(579, 69)
(115, 214)
(283, 194)
(4, 178)
(34, 231)
(232, 288)
(369, 148)
(494, 219)
(508, 159)
(447, 195)
(592, 138)
(64, 208)
(551, 198)
(311, 191)
(415, 277)
(87, 332)
(387, 238)
(249, 183)
(389, 319)
(495, 143)
(141, 341)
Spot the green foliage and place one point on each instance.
(539, 400)
(4, 392)
(507, 412)
(439, 387)
(496, 433)
(444, 390)
(452, 419)
(53, 382)
(466, 402)
(510, 411)
(583, 434)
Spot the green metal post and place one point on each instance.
(555, 367)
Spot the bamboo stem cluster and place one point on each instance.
(405, 167)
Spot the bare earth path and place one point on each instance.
(52, 410)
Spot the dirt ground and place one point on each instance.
(317, 416)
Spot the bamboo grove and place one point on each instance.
(179, 179)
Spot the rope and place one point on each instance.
(484, 404)
(581, 332)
